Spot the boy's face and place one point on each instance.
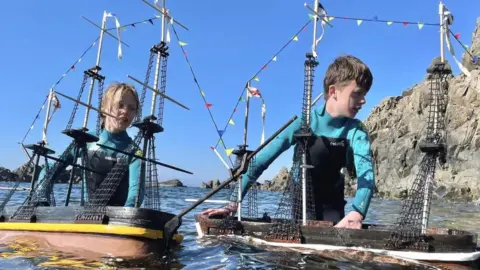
(124, 107)
(348, 98)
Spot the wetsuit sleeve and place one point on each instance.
(265, 157)
(362, 155)
(134, 175)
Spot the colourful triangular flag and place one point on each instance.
(203, 94)
(256, 79)
(229, 151)
(208, 105)
(405, 24)
(331, 18)
(274, 58)
(182, 43)
(295, 38)
(220, 132)
(359, 22)
(389, 23)
(241, 99)
(231, 122)
(420, 26)
(310, 16)
(457, 35)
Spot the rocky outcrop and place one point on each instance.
(24, 174)
(398, 124)
(214, 183)
(7, 175)
(278, 183)
(171, 183)
(473, 50)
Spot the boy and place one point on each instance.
(120, 100)
(340, 139)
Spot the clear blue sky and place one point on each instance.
(228, 42)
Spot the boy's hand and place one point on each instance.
(351, 221)
(216, 211)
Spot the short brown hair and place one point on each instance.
(110, 93)
(346, 68)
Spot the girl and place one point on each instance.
(120, 100)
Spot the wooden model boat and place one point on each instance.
(409, 239)
(92, 227)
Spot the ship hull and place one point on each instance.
(446, 246)
(125, 232)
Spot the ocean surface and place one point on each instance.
(213, 253)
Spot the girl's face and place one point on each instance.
(124, 107)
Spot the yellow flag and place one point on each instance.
(295, 38)
(231, 122)
(389, 23)
(359, 22)
(331, 18)
(420, 26)
(182, 43)
(274, 58)
(229, 151)
(203, 94)
(256, 79)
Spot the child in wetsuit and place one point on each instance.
(340, 141)
(120, 100)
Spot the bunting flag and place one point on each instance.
(117, 26)
(167, 22)
(231, 122)
(229, 151)
(55, 103)
(254, 92)
(359, 21)
(447, 21)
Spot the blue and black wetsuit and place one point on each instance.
(339, 142)
(102, 160)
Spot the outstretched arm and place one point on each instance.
(265, 157)
(364, 166)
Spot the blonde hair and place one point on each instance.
(107, 98)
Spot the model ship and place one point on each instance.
(410, 238)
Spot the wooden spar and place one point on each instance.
(105, 31)
(165, 14)
(316, 13)
(159, 93)
(17, 189)
(84, 104)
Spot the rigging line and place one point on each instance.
(132, 24)
(200, 89)
(59, 80)
(463, 45)
(376, 20)
(34, 120)
(261, 69)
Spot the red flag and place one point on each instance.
(208, 105)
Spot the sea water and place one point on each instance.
(213, 253)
